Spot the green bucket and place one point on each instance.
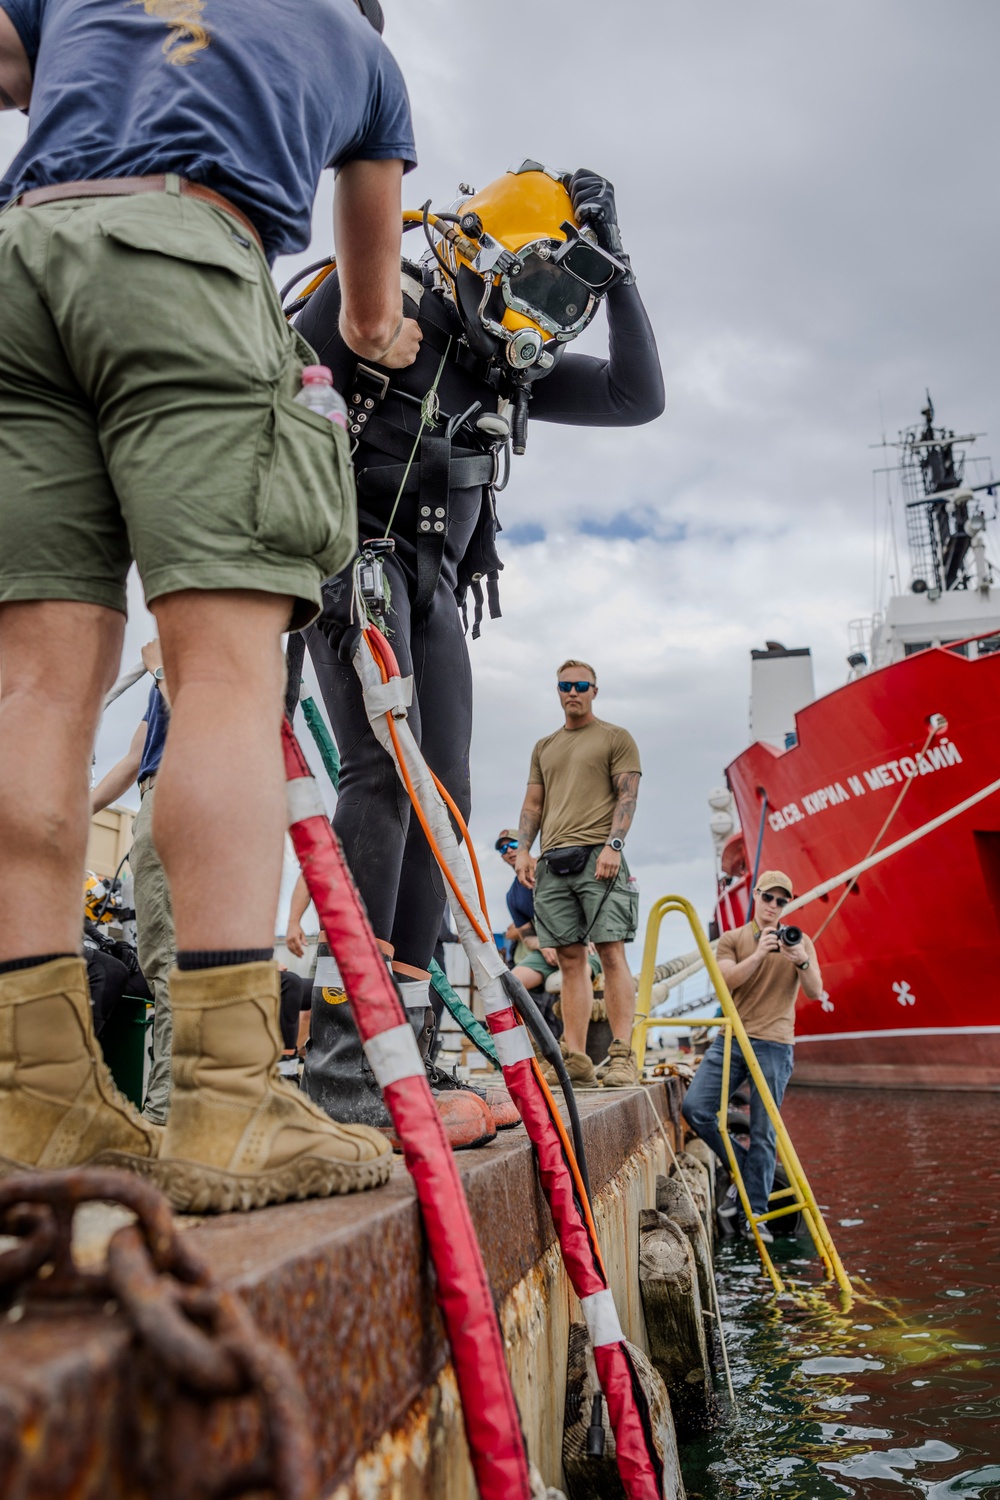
(123, 1043)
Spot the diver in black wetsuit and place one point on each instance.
(495, 329)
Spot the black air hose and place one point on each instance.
(532, 1017)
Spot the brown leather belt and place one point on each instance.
(125, 187)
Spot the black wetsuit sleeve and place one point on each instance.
(319, 322)
(624, 390)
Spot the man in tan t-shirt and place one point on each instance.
(582, 790)
(763, 974)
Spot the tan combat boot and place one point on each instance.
(622, 1071)
(238, 1136)
(58, 1105)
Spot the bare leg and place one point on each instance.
(530, 978)
(619, 989)
(577, 995)
(220, 815)
(57, 660)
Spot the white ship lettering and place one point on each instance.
(888, 774)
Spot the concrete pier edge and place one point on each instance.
(345, 1286)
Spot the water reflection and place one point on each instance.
(902, 1394)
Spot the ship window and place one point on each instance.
(912, 647)
(960, 647)
(991, 644)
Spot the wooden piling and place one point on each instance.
(589, 1478)
(672, 1199)
(675, 1327)
(698, 1179)
(708, 1159)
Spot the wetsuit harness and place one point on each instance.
(440, 464)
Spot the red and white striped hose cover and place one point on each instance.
(639, 1465)
(463, 1292)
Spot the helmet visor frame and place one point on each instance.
(559, 283)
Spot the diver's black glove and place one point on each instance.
(593, 200)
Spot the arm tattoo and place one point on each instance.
(528, 827)
(626, 785)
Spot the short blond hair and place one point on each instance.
(574, 663)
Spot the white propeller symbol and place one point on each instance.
(903, 993)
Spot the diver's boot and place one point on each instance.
(339, 1078)
(58, 1105)
(238, 1136)
(336, 1074)
(467, 1118)
(501, 1105)
(492, 1091)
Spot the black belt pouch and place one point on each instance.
(568, 861)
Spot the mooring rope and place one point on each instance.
(878, 837)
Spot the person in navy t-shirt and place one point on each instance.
(103, 105)
(148, 413)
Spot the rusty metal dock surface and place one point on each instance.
(344, 1285)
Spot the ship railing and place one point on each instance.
(729, 1023)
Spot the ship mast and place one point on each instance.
(944, 522)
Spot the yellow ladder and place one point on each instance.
(729, 1023)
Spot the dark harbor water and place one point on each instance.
(890, 1401)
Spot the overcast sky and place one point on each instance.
(808, 196)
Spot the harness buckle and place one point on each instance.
(368, 383)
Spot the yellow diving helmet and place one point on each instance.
(525, 277)
(95, 893)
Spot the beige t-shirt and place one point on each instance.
(574, 767)
(765, 1001)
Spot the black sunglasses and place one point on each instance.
(506, 848)
(581, 687)
(779, 901)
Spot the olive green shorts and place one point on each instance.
(574, 908)
(534, 960)
(147, 378)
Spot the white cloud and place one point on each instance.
(806, 193)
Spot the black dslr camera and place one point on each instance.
(790, 936)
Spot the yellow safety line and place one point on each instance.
(731, 1025)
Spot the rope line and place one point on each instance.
(878, 839)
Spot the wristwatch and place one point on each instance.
(616, 844)
(158, 674)
(803, 965)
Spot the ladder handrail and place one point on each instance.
(731, 1025)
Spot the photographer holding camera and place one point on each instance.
(763, 963)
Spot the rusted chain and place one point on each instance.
(197, 1337)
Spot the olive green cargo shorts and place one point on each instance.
(574, 908)
(147, 378)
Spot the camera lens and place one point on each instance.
(790, 936)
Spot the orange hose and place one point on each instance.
(317, 280)
(468, 845)
(415, 801)
(387, 663)
(375, 642)
(574, 1165)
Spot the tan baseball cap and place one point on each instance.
(771, 879)
(506, 836)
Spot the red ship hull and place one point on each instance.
(911, 960)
